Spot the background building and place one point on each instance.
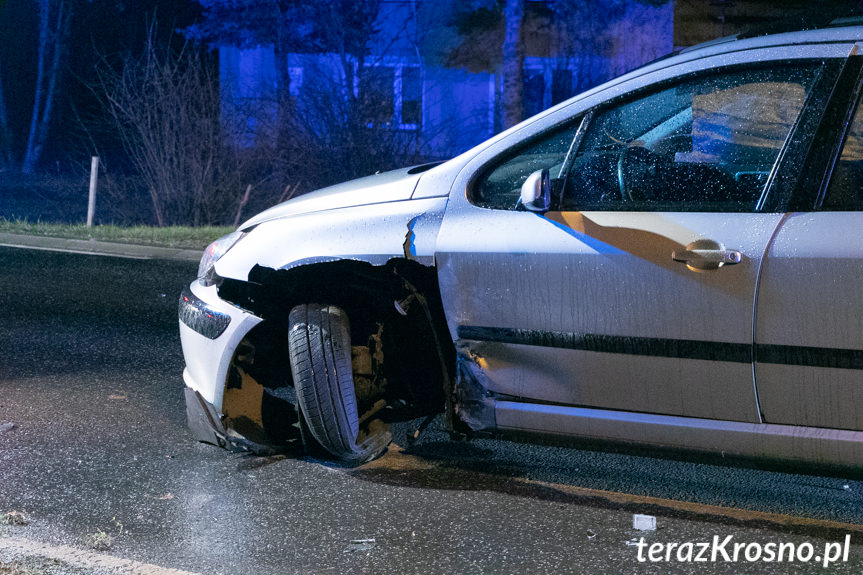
(432, 71)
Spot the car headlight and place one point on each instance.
(212, 254)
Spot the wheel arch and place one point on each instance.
(420, 356)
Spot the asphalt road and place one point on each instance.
(99, 458)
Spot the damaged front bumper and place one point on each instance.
(210, 331)
(204, 420)
(196, 314)
(206, 424)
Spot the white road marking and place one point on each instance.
(81, 558)
(73, 251)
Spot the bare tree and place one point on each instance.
(513, 62)
(344, 111)
(282, 24)
(165, 107)
(54, 17)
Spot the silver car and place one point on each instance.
(674, 259)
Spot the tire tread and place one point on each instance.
(320, 355)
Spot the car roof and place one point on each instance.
(827, 35)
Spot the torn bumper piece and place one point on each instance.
(205, 423)
(196, 314)
(474, 404)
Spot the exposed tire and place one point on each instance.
(320, 350)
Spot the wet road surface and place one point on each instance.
(90, 376)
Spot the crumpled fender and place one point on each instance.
(372, 233)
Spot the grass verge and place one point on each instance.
(172, 237)
(39, 566)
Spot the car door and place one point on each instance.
(636, 291)
(809, 327)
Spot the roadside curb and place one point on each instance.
(94, 562)
(98, 248)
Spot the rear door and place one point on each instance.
(809, 336)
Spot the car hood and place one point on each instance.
(393, 186)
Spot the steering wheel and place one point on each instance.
(636, 170)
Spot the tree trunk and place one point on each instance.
(284, 105)
(51, 35)
(5, 134)
(498, 100)
(513, 62)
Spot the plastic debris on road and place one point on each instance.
(644, 522)
(360, 545)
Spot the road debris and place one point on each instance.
(644, 522)
(412, 438)
(360, 545)
(15, 518)
(247, 464)
(121, 395)
(101, 540)
(7, 426)
(591, 533)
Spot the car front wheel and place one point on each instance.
(320, 350)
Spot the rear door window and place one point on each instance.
(845, 191)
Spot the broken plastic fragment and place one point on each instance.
(360, 545)
(247, 464)
(644, 522)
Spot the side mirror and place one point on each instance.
(536, 191)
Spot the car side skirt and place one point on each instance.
(819, 446)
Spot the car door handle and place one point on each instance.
(706, 255)
(727, 257)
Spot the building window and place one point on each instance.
(376, 95)
(295, 76)
(411, 98)
(391, 96)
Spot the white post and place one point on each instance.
(94, 176)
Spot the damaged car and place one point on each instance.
(671, 259)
